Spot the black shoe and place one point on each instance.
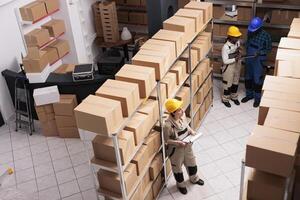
(236, 102)
(200, 182)
(246, 99)
(182, 190)
(227, 104)
(256, 104)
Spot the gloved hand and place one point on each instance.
(238, 57)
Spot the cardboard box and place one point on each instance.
(45, 113)
(51, 5)
(35, 65)
(184, 95)
(287, 54)
(280, 84)
(200, 96)
(111, 181)
(156, 62)
(206, 7)
(133, 2)
(33, 11)
(207, 35)
(45, 95)
(149, 195)
(141, 159)
(194, 59)
(156, 166)
(104, 147)
(165, 55)
(66, 105)
(197, 15)
(161, 45)
(172, 36)
(65, 121)
(165, 51)
(62, 47)
(294, 32)
(52, 54)
(202, 71)
(37, 37)
(68, 132)
(143, 76)
(123, 16)
(200, 49)
(55, 27)
(287, 69)
(138, 17)
(163, 92)
(138, 126)
(283, 119)
(126, 93)
(137, 194)
(49, 128)
(65, 68)
(150, 108)
(146, 182)
(153, 143)
(102, 121)
(179, 68)
(181, 24)
(262, 185)
(170, 82)
(289, 43)
(270, 155)
(157, 186)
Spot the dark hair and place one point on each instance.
(173, 114)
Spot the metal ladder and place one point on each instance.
(22, 102)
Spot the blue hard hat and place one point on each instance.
(255, 24)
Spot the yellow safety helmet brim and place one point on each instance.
(234, 31)
(173, 104)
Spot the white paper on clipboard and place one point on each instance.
(192, 138)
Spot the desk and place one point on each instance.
(121, 43)
(64, 83)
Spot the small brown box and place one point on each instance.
(33, 11)
(104, 147)
(37, 37)
(62, 47)
(65, 121)
(66, 105)
(138, 126)
(170, 82)
(55, 27)
(184, 95)
(197, 15)
(125, 92)
(180, 70)
(51, 5)
(141, 159)
(52, 54)
(146, 181)
(35, 65)
(150, 108)
(157, 186)
(153, 143)
(49, 128)
(68, 132)
(156, 166)
(111, 181)
(206, 7)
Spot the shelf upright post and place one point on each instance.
(160, 106)
(212, 50)
(243, 166)
(191, 85)
(120, 168)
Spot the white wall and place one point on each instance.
(11, 44)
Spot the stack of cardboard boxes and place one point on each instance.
(100, 116)
(272, 149)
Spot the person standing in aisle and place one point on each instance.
(231, 54)
(259, 44)
(180, 153)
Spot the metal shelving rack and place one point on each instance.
(118, 167)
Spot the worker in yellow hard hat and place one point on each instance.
(176, 128)
(231, 56)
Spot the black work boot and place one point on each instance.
(227, 104)
(246, 99)
(182, 190)
(256, 104)
(199, 182)
(236, 102)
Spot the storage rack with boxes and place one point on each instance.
(272, 155)
(128, 129)
(277, 13)
(41, 34)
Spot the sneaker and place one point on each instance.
(246, 99)
(200, 182)
(256, 104)
(236, 102)
(182, 190)
(227, 104)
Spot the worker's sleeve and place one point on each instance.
(168, 131)
(225, 56)
(267, 46)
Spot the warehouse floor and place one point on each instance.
(54, 168)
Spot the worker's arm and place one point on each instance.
(168, 131)
(267, 48)
(225, 56)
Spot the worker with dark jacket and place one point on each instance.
(231, 68)
(258, 45)
(180, 153)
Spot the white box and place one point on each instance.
(39, 77)
(46, 95)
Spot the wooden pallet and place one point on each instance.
(97, 19)
(109, 20)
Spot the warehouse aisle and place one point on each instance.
(55, 168)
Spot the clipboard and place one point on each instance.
(192, 138)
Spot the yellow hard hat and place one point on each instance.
(234, 31)
(172, 105)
